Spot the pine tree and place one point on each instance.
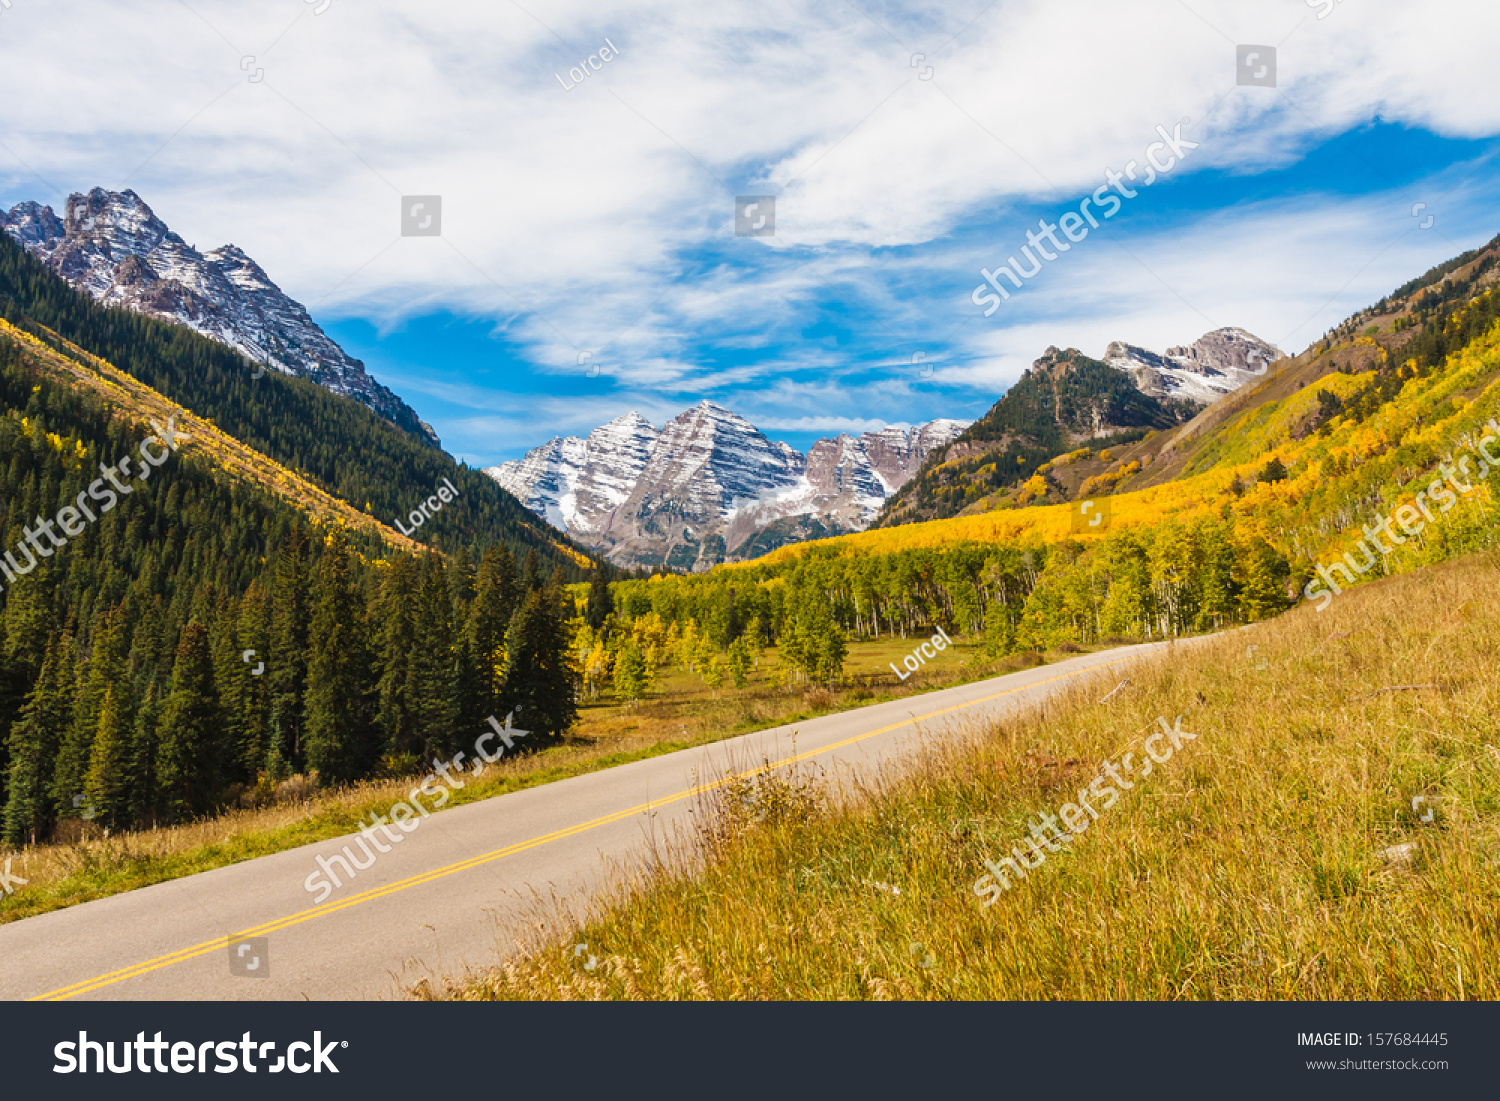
(287, 664)
(187, 773)
(495, 598)
(541, 674)
(342, 742)
(105, 667)
(145, 802)
(108, 787)
(34, 740)
(252, 633)
(237, 689)
(601, 605)
(70, 764)
(1273, 471)
(433, 685)
(396, 711)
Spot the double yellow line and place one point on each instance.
(185, 954)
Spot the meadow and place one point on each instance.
(1330, 833)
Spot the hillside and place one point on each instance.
(1065, 398)
(333, 442)
(1329, 439)
(111, 246)
(138, 403)
(1312, 833)
(189, 625)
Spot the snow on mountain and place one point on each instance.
(1202, 372)
(708, 482)
(896, 451)
(575, 483)
(112, 246)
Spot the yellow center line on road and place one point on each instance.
(326, 908)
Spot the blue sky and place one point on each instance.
(595, 225)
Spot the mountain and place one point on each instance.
(1391, 417)
(110, 245)
(1202, 372)
(299, 429)
(574, 484)
(710, 485)
(155, 565)
(1063, 400)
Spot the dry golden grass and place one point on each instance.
(1277, 856)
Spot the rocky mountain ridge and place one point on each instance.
(1217, 363)
(112, 246)
(710, 486)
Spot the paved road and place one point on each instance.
(450, 895)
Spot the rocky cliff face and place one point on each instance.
(896, 453)
(574, 484)
(1201, 372)
(710, 485)
(112, 246)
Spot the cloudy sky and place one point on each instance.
(588, 262)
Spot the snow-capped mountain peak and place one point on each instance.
(112, 246)
(1202, 372)
(708, 482)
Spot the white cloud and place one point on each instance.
(600, 219)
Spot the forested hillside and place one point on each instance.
(176, 636)
(335, 442)
(1064, 399)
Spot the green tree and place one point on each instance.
(1273, 471)
(740, 661)
(396, 616)
(600, 604)
(104, 668)
(434, 685)
(33, 748)
(1262, 580)
(187, 772)
(541, 673)
(108, 787)
(342, 743)
(630, 673)
(496, 596)
(713, 673)
(287, 665)
(145, 805)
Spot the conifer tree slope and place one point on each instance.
(1065, 399)
(334, 442)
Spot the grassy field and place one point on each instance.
(1330, 833)
(680, 713)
